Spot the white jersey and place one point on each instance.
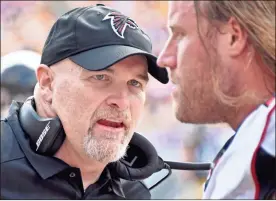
(245, 167)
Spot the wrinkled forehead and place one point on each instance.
(182, 15)
(65, 68)
(182, 8)
(135, 65)
(132, 64)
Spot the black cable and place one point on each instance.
(166, 166)
(189, 166)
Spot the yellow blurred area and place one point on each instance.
(30, 27)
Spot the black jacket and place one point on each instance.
(28, 175)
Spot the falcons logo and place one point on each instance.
(119, 23)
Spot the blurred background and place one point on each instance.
(24, 28)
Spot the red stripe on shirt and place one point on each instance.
(253, 163)
(269, 101)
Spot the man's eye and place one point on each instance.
(135, 83)
(100, 77)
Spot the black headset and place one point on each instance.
(46, 134)
(141, 161)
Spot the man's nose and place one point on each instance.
(167, 57)
(119, 100)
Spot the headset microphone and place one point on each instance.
(189, 166)
(142, 161)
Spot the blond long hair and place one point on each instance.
(257, 18)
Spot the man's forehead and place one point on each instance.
(183, 7)
(66, 66)
(134, 62)
(179, 11)
(136, 65)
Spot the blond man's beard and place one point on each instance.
(106, 150)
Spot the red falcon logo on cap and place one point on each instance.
(119, 23)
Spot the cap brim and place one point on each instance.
(104, 57)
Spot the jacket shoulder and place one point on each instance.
(10, 149)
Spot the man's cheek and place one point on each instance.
(184, 47)
(137, 114)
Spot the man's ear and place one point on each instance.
(237, 37)
(45, 79)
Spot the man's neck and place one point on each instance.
(238, 116)
(254, 90)
(90, 169)
(235, 116)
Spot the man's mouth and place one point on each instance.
(111, 123)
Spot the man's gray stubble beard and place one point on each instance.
(103, 150)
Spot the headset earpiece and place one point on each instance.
(46, 134)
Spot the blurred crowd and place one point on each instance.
(24, 28)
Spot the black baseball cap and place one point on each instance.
(97, 37)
